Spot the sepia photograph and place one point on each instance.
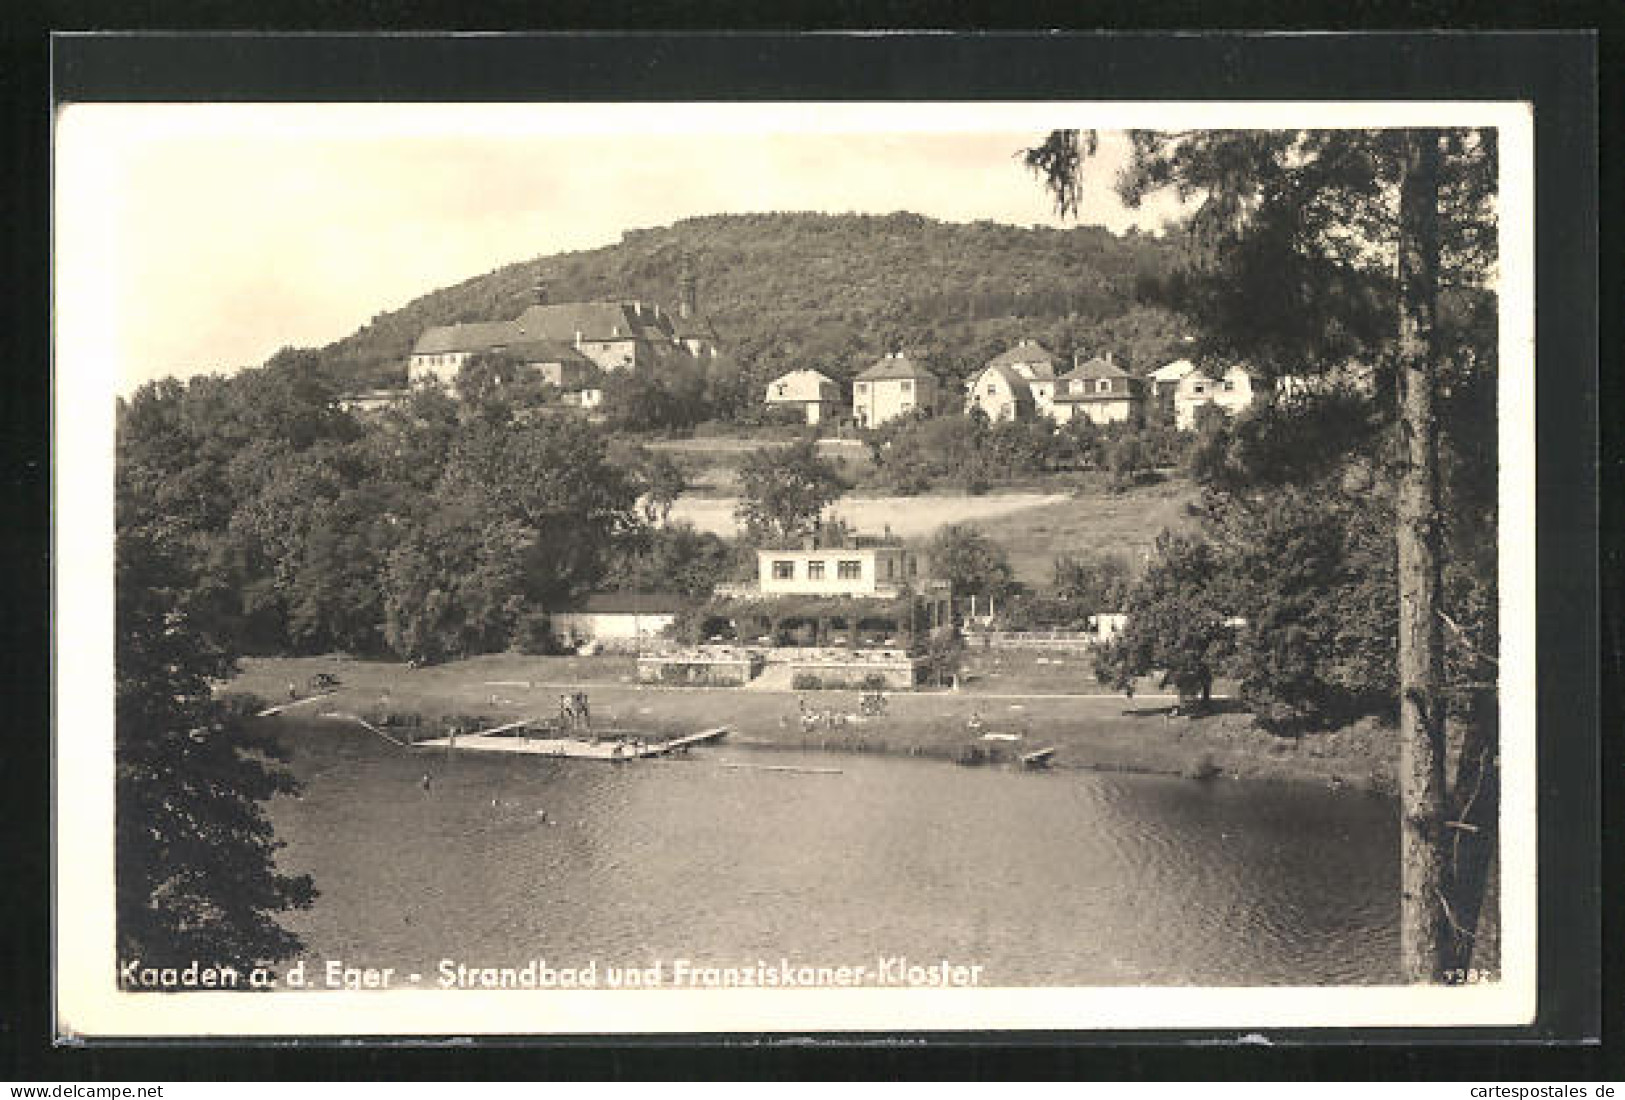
(632, 568)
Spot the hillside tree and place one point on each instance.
(783, 491)
(971, 561)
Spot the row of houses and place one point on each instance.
(1023, 383)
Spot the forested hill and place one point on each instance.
(834, 292)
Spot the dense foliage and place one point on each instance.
(915, 454)
(195, 855)
(427, 530)
(971, 561)
(783, 492)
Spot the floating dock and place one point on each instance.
(573, 748)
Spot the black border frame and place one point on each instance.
(1556, 71)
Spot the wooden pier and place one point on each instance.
(573, 748)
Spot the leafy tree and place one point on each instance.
(496, 385)
(784, 491)
(672, 558)
(1178, 623)
(973, 563)
(456, 585)
(554, 481)
(636, 401)
(1097, 582)
(1313, 573)
(944, 653)
(1127, 460)
(195, 854)
(658, 478)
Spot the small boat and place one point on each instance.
(1038, 759)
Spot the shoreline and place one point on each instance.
(1088, 731)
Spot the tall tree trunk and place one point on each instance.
(1475, 802)
(1423, 911)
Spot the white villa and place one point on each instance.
(1161, 385)
(894, 386)
(1231, 388)
(1016, 384)
(1000, 393)
(810, 392)
(1099, 391)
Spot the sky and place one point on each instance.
(201, 238)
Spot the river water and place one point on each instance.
(1061, 878)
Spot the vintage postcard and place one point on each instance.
(641, 568)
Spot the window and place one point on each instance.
(1103, 385)
(908, 387)
(992, 389)
(815, 570)
(863, 388)
(784, 570)
(1229, 384)
(782, 388)
(891, 568)
(1198, 389)
(849, 570)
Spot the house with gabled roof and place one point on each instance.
(1030, 359)
(1016, 384)
(1161, 385)
(813, 394)
(896, 385)
(1231, 388)
(1000, 392)
(1100, 391)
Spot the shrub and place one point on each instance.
(874, 682)
(533, 634)
(1205, 770)
(806, 681)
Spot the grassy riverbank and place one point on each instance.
(1092, 731)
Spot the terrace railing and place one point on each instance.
(1032, 639)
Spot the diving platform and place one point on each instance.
(621, 747)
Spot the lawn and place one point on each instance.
(1093, 520)
(713, 462)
